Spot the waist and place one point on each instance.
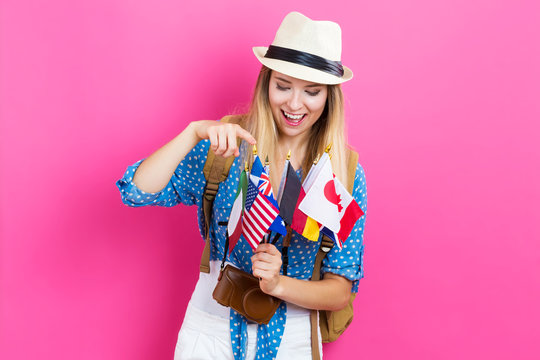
(202, 296)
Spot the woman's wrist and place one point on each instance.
(184, 142)
(279, 290)
(191, 131)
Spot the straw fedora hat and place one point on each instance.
(306, 49)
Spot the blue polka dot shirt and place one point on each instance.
(187, 187)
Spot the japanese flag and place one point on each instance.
(321, 201)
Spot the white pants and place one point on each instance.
(206, 335)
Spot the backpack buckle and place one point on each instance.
(325, 249)
(211, 190)
(326, 244)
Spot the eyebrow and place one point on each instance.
(288, 82)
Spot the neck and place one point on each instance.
(297, 145)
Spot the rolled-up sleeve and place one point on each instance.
(349, 261)
(186, 185)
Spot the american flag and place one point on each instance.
(258, 216)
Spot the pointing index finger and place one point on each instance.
(244, 134)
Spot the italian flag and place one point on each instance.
(234, 227)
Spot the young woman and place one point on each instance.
(298, 106)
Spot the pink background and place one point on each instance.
(443, 109)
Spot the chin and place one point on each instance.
(291, 132)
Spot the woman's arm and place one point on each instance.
(330, 293)
(154, 172)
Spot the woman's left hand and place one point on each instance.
(266, 266)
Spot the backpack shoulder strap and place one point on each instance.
(326, 245)
(351, 169)
(216, 169)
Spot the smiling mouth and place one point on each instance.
(293, 119)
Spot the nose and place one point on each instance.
(295, 101)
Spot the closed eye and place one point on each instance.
(310, 93)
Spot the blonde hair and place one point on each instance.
(329, 129)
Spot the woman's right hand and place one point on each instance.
(222, 136)
(155, 171)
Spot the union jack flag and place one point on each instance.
(264, 185)
(259, 214)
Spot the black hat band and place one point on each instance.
(303, 58)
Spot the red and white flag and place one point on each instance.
(349, 211)
(321, 201)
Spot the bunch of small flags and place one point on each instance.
(320, 204)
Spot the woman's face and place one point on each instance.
(296, 104)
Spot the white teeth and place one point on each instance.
(293, 117)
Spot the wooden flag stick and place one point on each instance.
(276, 238)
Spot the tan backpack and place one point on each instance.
(331, 323)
